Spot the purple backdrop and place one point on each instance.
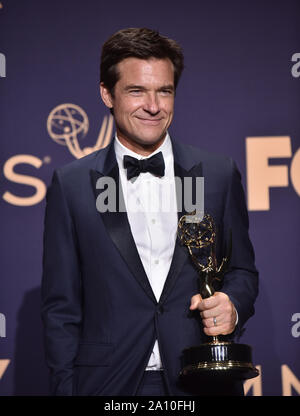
(239, 81)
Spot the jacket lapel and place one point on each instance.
(183, 168)
(117, 223)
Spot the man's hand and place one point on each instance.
(218, 306)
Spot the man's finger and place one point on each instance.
(210, 313)
(195, 301)
(209, 303)
(223, 329)
(209, 322)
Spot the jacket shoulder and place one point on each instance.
(78, 168)
(212, 162)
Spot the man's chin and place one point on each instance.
(150, 141)
(142, 142)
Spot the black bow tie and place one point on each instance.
(154, 164)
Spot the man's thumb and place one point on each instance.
(195, 300)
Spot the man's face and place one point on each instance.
(143, 101)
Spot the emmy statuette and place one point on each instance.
(215, 358)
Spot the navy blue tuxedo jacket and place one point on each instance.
(100, 315)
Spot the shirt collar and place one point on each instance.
(121, 150)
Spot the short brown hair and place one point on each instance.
(140, 43)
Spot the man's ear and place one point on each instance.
(106, 96)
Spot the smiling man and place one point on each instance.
(120, 299)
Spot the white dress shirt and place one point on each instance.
(150, 203)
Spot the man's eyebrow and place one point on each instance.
(134, 87)
(140, 87)
(167, 87)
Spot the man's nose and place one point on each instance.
(152, 104)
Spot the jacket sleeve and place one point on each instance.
(61, 290)
(241, 280)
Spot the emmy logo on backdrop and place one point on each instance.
(69, 123)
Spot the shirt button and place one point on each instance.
(156, 261)
(153, 221)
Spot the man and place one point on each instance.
(119, 292)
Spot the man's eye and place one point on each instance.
(166, 92)
(135, 91)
